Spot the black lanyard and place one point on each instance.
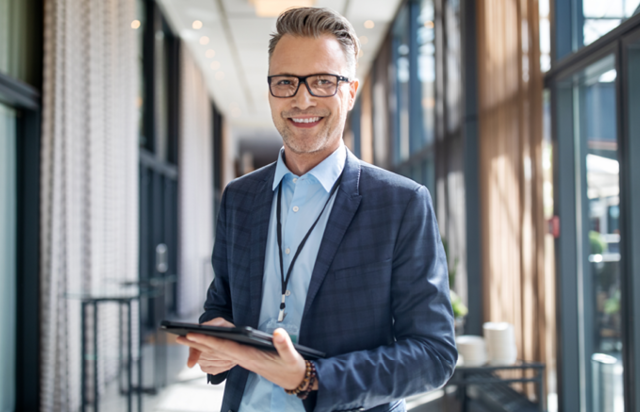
(285, 280)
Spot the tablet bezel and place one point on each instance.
(242, 334)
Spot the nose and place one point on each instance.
(303, 99)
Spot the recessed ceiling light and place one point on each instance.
(369, 24)
(210, 54)
(219, 75)
(364, 40)
(215, 65)
(135, 24)
(197, 24)
(273, 8)
(204, 40)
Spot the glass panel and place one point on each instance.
(544, 10)
(162, 95)
(598, 234)
(634, 94)
(139, 25)
(600, 17)
(18, 33)
(7, 256)
(453, 66)
(429, 175)
(401, 58)
(427, 69)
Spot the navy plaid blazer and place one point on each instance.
(378, 301)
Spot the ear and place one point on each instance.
(353, 88)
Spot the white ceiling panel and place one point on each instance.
(240, 40)
(238, 7)
(252, 32)
(337, 5)
(380, 11)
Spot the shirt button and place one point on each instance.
(295, 179)
(288, 293)
(287, 251)
(296, 208)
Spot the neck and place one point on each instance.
(301, 163)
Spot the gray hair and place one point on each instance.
(315, 22)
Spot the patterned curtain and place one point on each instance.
(89, 211)
(511, 174)
(195, 187)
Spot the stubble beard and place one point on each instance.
(308, 143)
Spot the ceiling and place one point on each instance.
(236, 70)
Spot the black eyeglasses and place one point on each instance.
(318, 85)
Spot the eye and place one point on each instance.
(325, 81)
(284, 82)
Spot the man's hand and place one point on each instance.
(208, 362)
(286, 368)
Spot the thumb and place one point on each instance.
(284, 346)
(194, 356)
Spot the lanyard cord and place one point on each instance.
(285, 280)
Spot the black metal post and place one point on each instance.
(120, 351)
(140, 390)
(83, 353)
(95, 357)
(130, 359)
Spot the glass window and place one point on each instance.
(162, 92)
(634, 92)
(453, 64)
(594, 128)
(427, 69)
(139, 25)
(7, 256)
(19, 31)
(400, 47)
(600, 17)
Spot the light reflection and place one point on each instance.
(608, 77)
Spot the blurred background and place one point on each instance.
(122, 121)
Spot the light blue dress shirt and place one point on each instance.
(302, 200)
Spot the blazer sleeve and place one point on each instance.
(423, 355)
(218, 302)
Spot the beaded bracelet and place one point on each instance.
(303, 390)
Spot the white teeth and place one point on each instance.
(306, 120)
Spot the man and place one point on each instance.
(325, 250)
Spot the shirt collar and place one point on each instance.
(326, 172)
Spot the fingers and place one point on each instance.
(215, 367)
(194, 356)
(219, 322)
(284, 346)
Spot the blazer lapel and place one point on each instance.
(344, 208)
(259, 232)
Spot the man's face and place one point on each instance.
(310, 124)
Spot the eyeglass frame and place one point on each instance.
(303, 79)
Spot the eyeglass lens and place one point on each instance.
(320, 85)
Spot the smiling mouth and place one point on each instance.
(305, 120)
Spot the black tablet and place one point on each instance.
(244, 335)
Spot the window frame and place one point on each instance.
(565, 63)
